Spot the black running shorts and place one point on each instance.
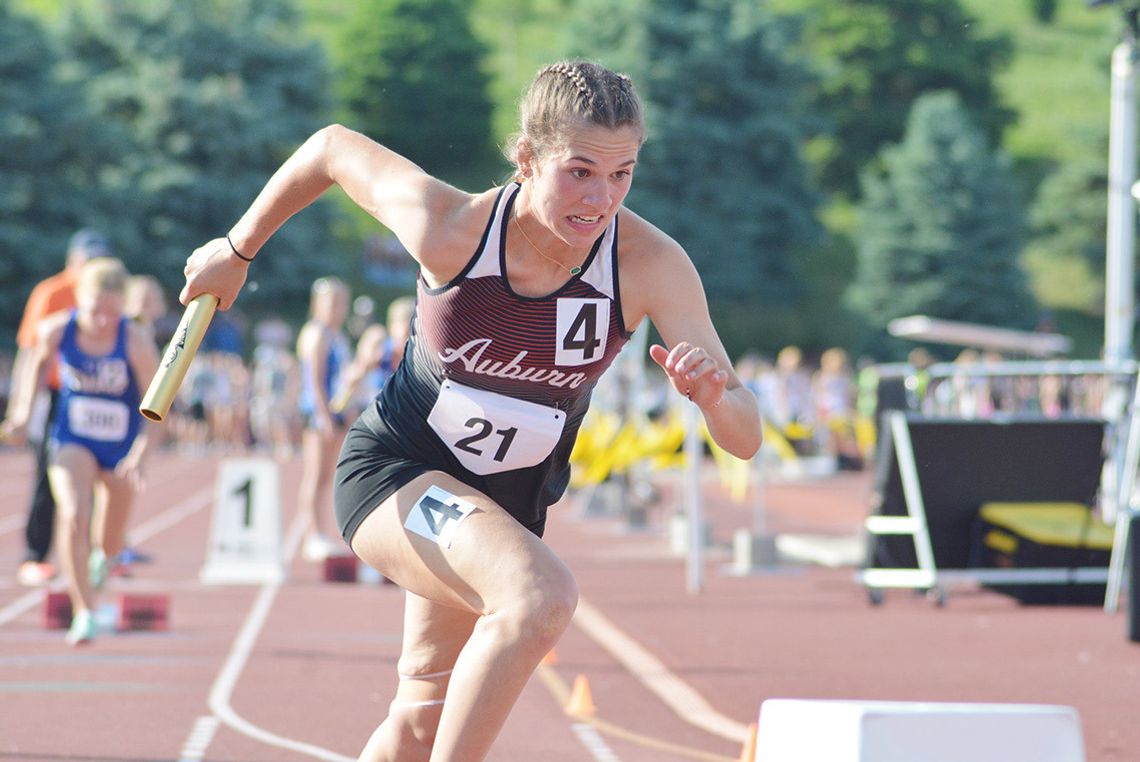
(370, 470)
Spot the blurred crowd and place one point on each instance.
(830, 407)
(234, 400)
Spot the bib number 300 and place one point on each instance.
(489, 433)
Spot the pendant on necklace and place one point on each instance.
(575, 270)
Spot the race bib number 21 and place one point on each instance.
(490, 433)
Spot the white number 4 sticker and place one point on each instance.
(583, 325)
(437, 514)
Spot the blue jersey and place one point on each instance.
(99, 398)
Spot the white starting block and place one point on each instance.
(794, 730)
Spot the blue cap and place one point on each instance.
(92, 242)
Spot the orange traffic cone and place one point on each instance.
(748, 751)
(581, 703)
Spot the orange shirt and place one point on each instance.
(50, 295)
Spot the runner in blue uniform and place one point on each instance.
(525, 294)
(96, 446)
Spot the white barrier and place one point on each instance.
(797, 730)
(245, 534)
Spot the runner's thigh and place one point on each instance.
(480, 563)
(72, 472)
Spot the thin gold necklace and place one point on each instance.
(572, 270)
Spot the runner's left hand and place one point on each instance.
(693, 372)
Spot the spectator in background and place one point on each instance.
(49, 296)
(275, 392)
(378, 354)
(324, 354)
(917, 383)
(833, 389)
(866, 406)
(793, 404)
(999, 390)
(145, 304)
(226, 402)
(758, 374)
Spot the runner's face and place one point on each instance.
(99, 309)
(579, 186)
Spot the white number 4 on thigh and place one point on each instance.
(437, 514)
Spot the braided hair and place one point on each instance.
(567, 93)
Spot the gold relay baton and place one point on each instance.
(176, 360)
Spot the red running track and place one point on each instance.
(305, 670)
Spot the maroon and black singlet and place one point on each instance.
(493, 386)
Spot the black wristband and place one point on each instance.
(237, 253)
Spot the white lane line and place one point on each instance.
(160, 523)
(172, 515)
(194, 750)
(689, 705)
(594, 743)
(223, 687)
(16, 608)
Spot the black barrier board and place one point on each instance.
(965, 463)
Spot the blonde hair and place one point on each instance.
(102, 275)
(568, 93)
(323, 286)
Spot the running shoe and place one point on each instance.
(131, 555)
(35, 573)
(97, 568)
(82, 628)
(317, 548)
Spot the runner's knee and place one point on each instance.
(542, 612)
(71, 522)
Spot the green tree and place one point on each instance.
(519, 35)
(941, 226)
(213, 96)
(1068, 221)
(410, 75)
(722, 170)
(875, 57)
(49, 157)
